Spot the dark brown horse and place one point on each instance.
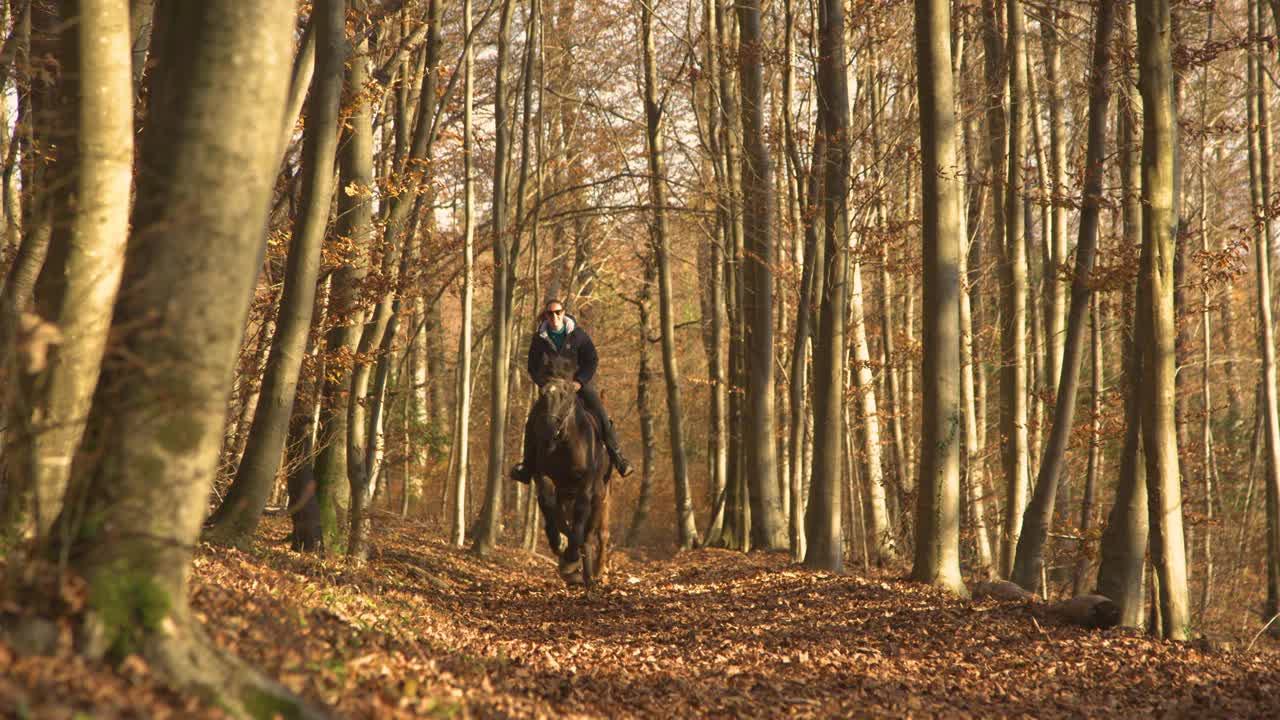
(572, 477)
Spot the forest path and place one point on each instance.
(427, 630)
(428, 627)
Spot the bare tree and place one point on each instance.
(462, 415)
(77, 286)
(237, 517)
(1013, 281)
(1039, 514)
(506, 251)
(686, 524)
(1260, 192)
(937, 548)
(198, 231)
(768, 528)
(1156, 331)
(1124, 540)
(824, 528)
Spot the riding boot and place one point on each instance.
(615, 451)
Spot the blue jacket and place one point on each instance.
(577, 345)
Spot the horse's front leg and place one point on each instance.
(551, 520)
(582, 515)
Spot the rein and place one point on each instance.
(562, 423)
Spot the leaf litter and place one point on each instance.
(428, 630)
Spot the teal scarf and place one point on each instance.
(558, 336)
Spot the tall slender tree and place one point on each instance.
(1039, 514)
(506, 249)
(768, 528)
(937, 546)
(686, 523)
(1156, 327)
(198, 234)
(1124, 540)
(354, 228)
(1260, 191)
(77, 286)
(824, 527)
(237, 517)
(462, 413)
(1013, 282)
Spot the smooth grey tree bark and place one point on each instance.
(1029, 560)
(462, 414)
(1013, 281)
(197, 239)
(686, 522)
(506, 250)
(1055, 327)
(1260, 175)
(1123, 549)
(77, 286)
(824, 516)
(645, 379)
(937, 547)
(768, 526)
(236, 519)
(1156, 327)
(355, 225)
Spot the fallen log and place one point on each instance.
(1096, 612)
(1092, 611)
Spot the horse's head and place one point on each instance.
(556, 405)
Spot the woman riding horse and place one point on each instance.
(559, 335)
(572, 482)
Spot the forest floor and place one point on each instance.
(427, 630)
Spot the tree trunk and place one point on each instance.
(882, 539)
(995, 71)
(1084, 554)
(1124, 540)
(158, 410)
(505, 255)
(1055, 328)
(975, 467)
(1206, 429)
(644, 381)
(824, 527)
(78, 284)
(462, 416)
(236, 519)
(1260, 192)
(716, 286)
(902, 480)
(1156, 329)
(768, 529)
(354, 222)
(811, 282)
(1013, 317)
(1029, 561)
(937, 547)
(801, 345)
(304, 66)
(686, 525)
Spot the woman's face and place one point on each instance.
(554, 314)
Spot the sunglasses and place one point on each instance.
(555, 312)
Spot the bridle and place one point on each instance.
(561, 422)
